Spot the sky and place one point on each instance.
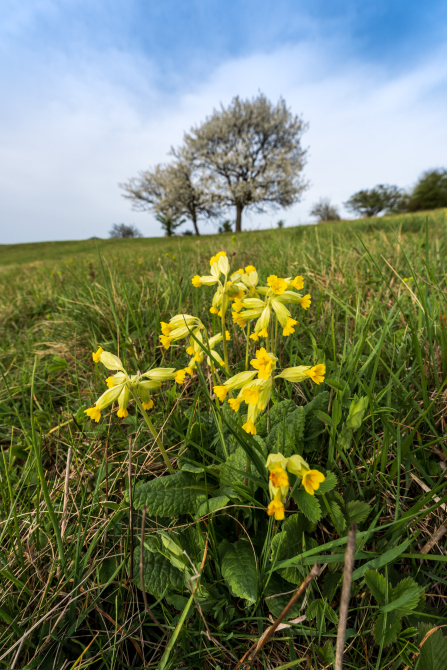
(94, 92)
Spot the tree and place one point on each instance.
(430, 192)
(324, 211)
(172, 190)
(251, 154)
(122, 230)
(169, 222)
(225, 227)
(376, 200)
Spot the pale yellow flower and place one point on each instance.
(96, 355)
(312, 480)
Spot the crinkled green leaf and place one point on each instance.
(239, 569)
(308, 504)
(405, 597)
(289, 543)
(181, 493)
(211, 505)
(321, 610)
(277, 595)
(387, 630)
(329, 483)
(338, 515)
(158, 573)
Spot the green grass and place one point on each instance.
(380, 337)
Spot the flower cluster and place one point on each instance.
(122, 386)
(227, 289)
(184, 325)
(278, 466)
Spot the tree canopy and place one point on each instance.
(376, 200)
(430, 192)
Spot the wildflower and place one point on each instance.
(238, 305)
(276, 507)
(317, 373)
(251, 396)
(312, 480)
(166, 328)
(180, 376)
(296, 465)
(214, 310)
(262, 363)
(227, 335)
(302, 372)
(96, 355)
(279, 478)
(148, 405)
(261, 333)
(305, 302)
(297, 283)
(235, 403)
(249, 269)
(220, 254)
(221, 392)
(196, 281)
(239, 320)
(249, 427)
(121, 386)
(94, 413)
(289, 329)
(277, 285)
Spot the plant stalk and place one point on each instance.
(153, 431)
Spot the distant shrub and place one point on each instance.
(281, 223)
(382, 198)
(122, 230)
(430, 192)
(324, 211)
(225, 227)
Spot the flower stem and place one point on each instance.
(247, 349)
(224, 340)
(153, 431)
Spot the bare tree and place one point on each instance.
(324, 211)
(176, 190)
(251, 154)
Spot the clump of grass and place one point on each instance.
(378, 320)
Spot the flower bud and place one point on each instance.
(110, 361)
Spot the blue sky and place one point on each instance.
(93, 92)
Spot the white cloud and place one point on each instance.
(71, 132)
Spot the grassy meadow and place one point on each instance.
(70, 595)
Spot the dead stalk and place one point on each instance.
(345, 594)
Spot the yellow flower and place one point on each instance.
(196, 281)
(251, 396)
(297, 283)
(94, 413)
(277, 284)
(239, 320)
(254, 336)
(238, 305)
(249, 427)
(276, 508)
(165, 340)
(312, 480)
(96, 355)
(148, 405)
(214, 310)
(198, 357)
(166, 328)
(221, 392)
(180, 376)
(250, 268)
(227, 335)
(110, 382)
(215, 258)
(190, 350)
(188, 370)
(279, 477)
(235, 403)
(122, 412)
(305, 302)
(317, 373)
(240, 271)
(262, 363)
(289, 329)
(276, 461)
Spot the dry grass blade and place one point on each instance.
(257, 646)
(66, 489)
(346, 591)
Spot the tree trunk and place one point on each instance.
(196, 228)
(239, 209)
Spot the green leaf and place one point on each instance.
(277, 595)
(280, 411)
(308, 504)
(239, 569)
(389, 630)
(324, 417)
(158, 573)
(434, 652)
(172, 495)
(338, 515)
(357, 510)
(329, 483)
(405, 597)
(321, 610)
(289, 543)
(212, 505)
(376, 584)
(380, 561)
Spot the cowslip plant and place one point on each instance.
(139, 387)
